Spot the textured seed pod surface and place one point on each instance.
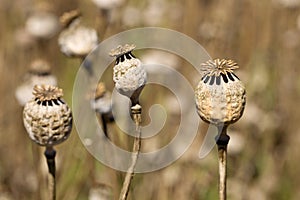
(220, 95)
(47, 118)
(129, 74)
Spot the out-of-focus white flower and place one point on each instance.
(77, 40)
(108, 4)
(42, 25)
(38, 74)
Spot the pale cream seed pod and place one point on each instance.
(42, 25)
(47, 118)
(220, 95)
(39, 73)
(108, 4)
(101, 99)
(129, 74)
(76, 40)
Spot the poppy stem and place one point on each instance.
(136, 114)
(222, 142)
(50, 156)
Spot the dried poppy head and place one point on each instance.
(39, 73)
(47, 118)
(76, 40)
(220, 95)
(129, 74)
(101, 99)
(42, 25)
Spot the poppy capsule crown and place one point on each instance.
(129, 74)
(47, 118)
(220, 95)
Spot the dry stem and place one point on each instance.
(222, 142)
(50, 156)
(136, 114)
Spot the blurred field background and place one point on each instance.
(263, 37)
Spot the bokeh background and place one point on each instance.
(263, 37)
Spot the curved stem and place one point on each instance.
(222, 142)
(136, 114)
(50, 156)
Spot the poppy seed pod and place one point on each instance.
(220, 95)
(39, 73)
(47, 118)
(42, 25)
(129, 74)
(108, 4)
(76, 40)
(101, 100)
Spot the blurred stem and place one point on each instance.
(36, 162)
(136, 114)
(50, 156)
(103, 119)
(222, 142)
(104, 125)
(87, 65)
(103, 22)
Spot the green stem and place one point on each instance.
(50, 156)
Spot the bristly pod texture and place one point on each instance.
(220, 95)
(47, 118)
(129, 74)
